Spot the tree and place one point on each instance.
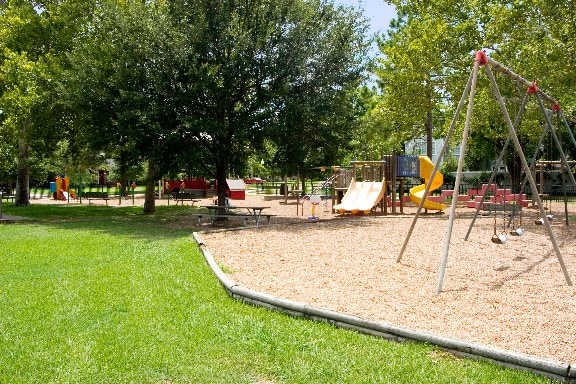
(278, 69)
(33, 40)
(420, 58)
(22, 68)
(209, 81)
(428, 53)
(122, 85)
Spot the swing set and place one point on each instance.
(515, 211)
(482, 60)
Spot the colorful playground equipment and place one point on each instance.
(361, 196)
(383, 185)
(313, 195)
(59, 187)
(364, 196)
(416, 193)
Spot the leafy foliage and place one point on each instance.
(426, 59)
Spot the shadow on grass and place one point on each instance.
(167, 221)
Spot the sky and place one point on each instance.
(378, 11)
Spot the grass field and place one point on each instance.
(94, 294)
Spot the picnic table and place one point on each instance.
(188, 196)
(254, 212)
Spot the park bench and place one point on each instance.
(188, 196)
(96, 196)
(245, 216)
(490, 208)
(7, 193)
(499, 207)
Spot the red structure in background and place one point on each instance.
(187, 185)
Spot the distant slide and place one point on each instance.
(361, 196)
(416, 193)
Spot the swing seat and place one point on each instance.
(499, 239)
(540, 221)
(517, 231)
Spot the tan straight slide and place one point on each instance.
(361, 196)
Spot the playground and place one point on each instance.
(511, 296)
(507, 283)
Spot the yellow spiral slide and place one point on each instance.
(416, 193)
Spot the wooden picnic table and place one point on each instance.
(253, 211)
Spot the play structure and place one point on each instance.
(363, 196)
(313, 196)
(60, 188)
(482, 60)
(380, 181)
(417, 193)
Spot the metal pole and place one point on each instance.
(534, 161)
(458, 176)
(444, 147)
(556, 141)
(561, 115)
(566, 218)
(508, 72)
(527, 171)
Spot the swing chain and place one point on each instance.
(494, 223)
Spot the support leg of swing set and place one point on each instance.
(564, 162)
(436, 167)
(498, 162)
(533, 161)
(458, 175)
(556, 141)
(561, 115)
(527, 171)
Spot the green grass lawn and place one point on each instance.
(92, 294)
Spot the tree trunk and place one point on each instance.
(123, 182)
(149, 196)
(515, 170)
(429, 128)
(22, 197)
(221, 170)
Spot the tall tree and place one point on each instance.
(432, 42)
(210, 78)
(34, 37)
(121, 86)
(419, 57)
(255, 65)
(316, 124)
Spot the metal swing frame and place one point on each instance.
(481, 59)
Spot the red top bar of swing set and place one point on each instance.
(483, 59)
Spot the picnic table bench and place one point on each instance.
(511, 207)
(96, 196)
(214, 217)
(214, 213)
(7, 194)
(188, 196)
